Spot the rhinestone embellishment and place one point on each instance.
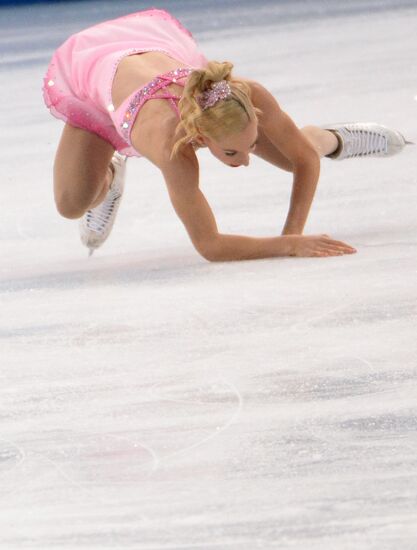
(146, 92)
(51, 83)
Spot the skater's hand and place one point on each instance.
(319, 246)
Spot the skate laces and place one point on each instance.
(98, 218)
(367, 142)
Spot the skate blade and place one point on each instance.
(90, 252)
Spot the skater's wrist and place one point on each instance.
(293, 229)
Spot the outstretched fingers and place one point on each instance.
(330, 247)
(319, 246)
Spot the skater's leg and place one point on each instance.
(355, 139)
(82, 172)
(323, 141)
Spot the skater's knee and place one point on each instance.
(67, 210)
(68, 207)
(72, 199)
(75, 195)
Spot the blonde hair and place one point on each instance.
(227, 117)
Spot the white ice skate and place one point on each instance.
(365, 139)
(96, 224)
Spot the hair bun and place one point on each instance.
(213, 72)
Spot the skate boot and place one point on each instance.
(365, 139)
(96, 224)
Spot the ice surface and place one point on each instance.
(152, 400)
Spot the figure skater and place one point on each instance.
(101, 82)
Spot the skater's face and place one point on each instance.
(234, 150)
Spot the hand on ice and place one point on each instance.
(320, 246)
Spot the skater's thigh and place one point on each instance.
(81, 161)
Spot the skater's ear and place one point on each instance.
(200, 140)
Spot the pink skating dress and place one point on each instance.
(78, 82)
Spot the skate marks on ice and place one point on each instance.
(81, 460)
(11, 457)
(344, 435)
(310, 429)
(91, 457)
(215, 393)
(342, 416)
(82, 464)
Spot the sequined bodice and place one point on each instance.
(138, 98)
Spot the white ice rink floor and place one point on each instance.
(152, 400)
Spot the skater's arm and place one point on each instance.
(304, 185)
(181, 177)
(287, 138)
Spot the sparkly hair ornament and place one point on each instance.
(217, 91)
